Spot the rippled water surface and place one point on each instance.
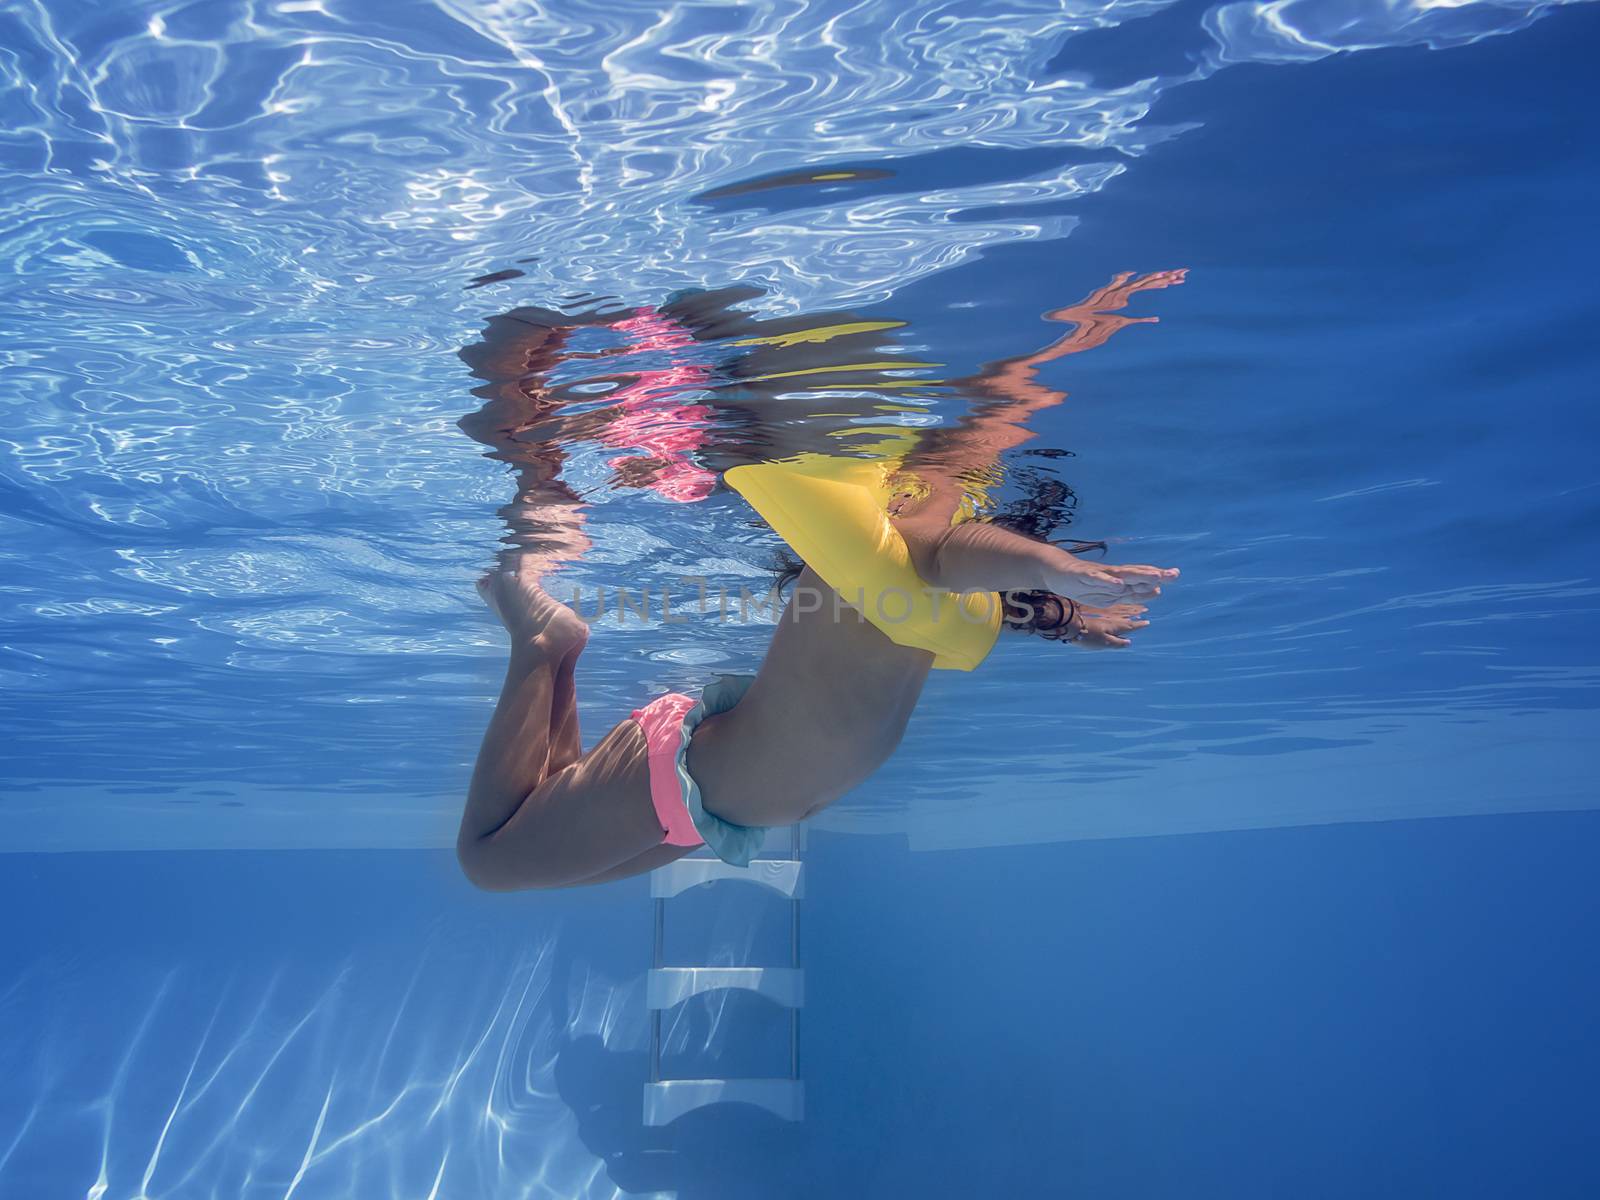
(241, 525)
(259, 258)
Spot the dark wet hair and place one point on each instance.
(788, 567)
(1052, 617)
(1046, 506)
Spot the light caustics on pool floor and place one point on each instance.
(357, 1080)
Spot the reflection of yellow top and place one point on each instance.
(833, 513)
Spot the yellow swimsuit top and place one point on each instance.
(833, 513)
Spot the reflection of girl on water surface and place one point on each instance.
(897, 576)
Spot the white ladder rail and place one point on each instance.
(665, 1100)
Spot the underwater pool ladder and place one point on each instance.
(665, 1100)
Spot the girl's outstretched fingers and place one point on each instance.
(1103, 583)
(1107, 628)
(1118, 610)
(1143, 581)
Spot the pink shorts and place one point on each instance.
(668, 723)
(662, 723)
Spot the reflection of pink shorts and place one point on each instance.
(649, 418)
(662, 723)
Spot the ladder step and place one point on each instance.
(666, 987)
(777, 841)
(782, 875)
(670, 1099)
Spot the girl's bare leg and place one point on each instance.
(566, 742)
(532, 820)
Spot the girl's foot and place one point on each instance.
(529, 613)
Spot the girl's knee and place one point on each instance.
(476, 867)
(485, 865)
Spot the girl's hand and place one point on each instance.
(1103, 628)
(1102, 583)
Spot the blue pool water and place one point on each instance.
(1293, 898)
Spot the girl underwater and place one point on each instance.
(897, 576)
